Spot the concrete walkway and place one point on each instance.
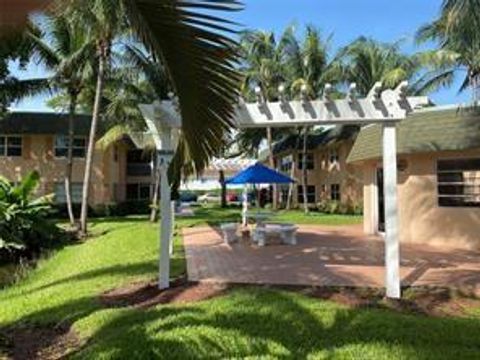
(328, 256)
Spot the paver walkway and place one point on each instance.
(325, 255)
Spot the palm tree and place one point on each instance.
(456, 33)
(196, 51)
(366, 61)
(263, 68)
(141, 80)
(64, 49)
(310, 70)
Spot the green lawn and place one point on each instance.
(246, 322)
(216, 215)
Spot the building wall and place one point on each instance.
(326, 173)
(421, 219)
(38, 154)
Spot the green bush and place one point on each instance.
(24, 225)
(340, 208)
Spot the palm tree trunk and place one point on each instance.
(69, 165)
(223, 189)
(156, 191)
(271, 163)
(293, 165)
(288, 206)
(91, 141)
(304, 170)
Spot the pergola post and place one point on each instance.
(164, 158)
(392, 251)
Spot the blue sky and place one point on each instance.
(384, 20)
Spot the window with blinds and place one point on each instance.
(458, 182)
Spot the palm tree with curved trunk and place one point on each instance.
(194, 47)
(456, 33)
(140, 80)
(65, 50)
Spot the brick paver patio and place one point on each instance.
(325, 255)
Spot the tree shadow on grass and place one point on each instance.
(252, 322)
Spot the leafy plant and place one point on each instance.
(23, 218)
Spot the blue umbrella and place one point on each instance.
(256, 174)
(259, 174)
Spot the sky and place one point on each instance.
(384, 20)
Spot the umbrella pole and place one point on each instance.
(245, 205)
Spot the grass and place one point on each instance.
(246, 322)
(214, 215)
(263, 323)
(65, 287)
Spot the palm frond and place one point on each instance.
(200, 60)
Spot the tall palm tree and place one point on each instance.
(65, 50)
(310, 70)
(262, 68)
(195, 49)
(456, 33)
(103, 21)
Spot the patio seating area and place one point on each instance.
(325, 256)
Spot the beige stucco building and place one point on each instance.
(438, 177)
(38, 141)
(329, 176)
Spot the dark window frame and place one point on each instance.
(311, 194)
(455, 186)
(78, 151)
(310, 160)
(7, 149)
(335, 192)
(138, 191)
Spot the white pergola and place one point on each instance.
(386, 107)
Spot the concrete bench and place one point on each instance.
(286, 232)
(229, 231)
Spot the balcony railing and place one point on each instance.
(139, 169)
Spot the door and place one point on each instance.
(381, 201)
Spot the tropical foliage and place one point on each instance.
(456, 33)
(24, 226)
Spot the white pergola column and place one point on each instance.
(164, 158)
(392, 248)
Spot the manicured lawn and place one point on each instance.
(215, 215)
(65, 287)
(274, 324)
(245, 322)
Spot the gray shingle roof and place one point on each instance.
(39, 123)
(423, 131)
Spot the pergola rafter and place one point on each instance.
(386, 107)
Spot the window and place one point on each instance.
(333, 156)
(138, 163)
(137, 192)
(10, 146)
(309, 160)
(458, 182)
(62, 143)
(286, 164)
(311, 194)
(335, 192)
(60, 197)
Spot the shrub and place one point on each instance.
(24, 224)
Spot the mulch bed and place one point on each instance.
(26, 343)
(145, 295)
